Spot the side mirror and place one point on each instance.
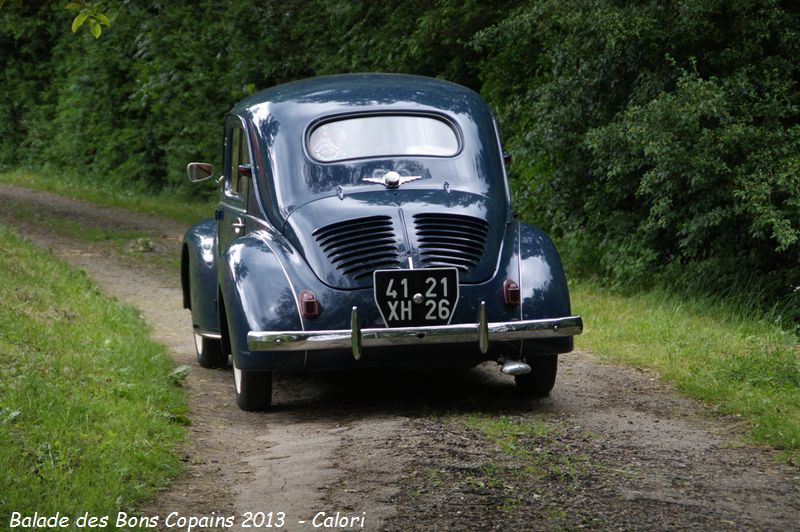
(199, 171)
(506, 158)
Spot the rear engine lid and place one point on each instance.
(345, 240)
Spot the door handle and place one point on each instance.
(238, 225)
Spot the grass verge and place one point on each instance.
(89, 417)
(742, 364)
(167, 204)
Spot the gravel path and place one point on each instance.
(611, 448)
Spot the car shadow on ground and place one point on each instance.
(404, 392)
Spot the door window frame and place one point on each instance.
(236, 197)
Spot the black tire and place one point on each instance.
(209, 352)
(253, 389)
(542, 377)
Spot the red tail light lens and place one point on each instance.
(309, 306)
(511, 293)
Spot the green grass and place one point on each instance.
(89, 416)
(168, 204)
(528, 440)
(507, 433)
(531, 458)
(741, 363)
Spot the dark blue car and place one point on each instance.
(364, 221)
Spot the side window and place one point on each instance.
(235, 147)
(239, 155)
(244, 160)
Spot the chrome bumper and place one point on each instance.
(355, 338)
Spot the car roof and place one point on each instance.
(363, 91)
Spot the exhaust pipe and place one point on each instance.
(514, 367)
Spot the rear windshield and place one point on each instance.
(380, 136)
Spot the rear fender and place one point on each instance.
(199, 275)
(259, 295)
(543, 287)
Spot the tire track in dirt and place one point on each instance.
(636, 455)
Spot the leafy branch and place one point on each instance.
(88, 13)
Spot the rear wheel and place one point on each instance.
(209, 352)
(542, 377)
(253, 389)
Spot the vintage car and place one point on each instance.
(365, 220)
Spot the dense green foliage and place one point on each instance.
(656, 140)
(89, 415)
(667, 135)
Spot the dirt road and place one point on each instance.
(611, 448)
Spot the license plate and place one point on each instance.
(410, 298)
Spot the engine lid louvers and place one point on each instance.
(360, 246)
(450, 240)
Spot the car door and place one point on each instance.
(236, 185)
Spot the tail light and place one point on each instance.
(511, 295)
(309, 306)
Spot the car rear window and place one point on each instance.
(381, 136)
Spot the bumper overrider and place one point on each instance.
(355, 338)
